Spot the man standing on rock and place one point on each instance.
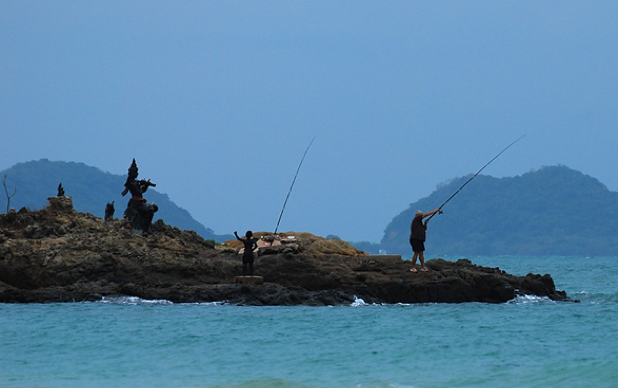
(247, 257)
(417, 237)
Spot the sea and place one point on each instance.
(130, 342)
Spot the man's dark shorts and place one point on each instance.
(417, 245)
(247, 259)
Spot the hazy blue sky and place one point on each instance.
(217, 100)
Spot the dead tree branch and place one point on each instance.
(8, 197)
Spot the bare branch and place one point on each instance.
(8, 197)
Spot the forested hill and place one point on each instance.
(91, 189)
(552, 211)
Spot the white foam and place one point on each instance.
(221, 303)
(358, 302)
(529, 299)
(133, 301)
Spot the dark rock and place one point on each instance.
(61, 203)
(66, 256)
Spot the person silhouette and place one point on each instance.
(417, 237)
(247, 256)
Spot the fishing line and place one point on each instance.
(474, 176)
(292, 186)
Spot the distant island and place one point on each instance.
(552, 211)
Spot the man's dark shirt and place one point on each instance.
(417, 229)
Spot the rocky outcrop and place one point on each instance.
(305, 242)
(59, 255)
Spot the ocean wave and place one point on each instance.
(133, 301)
(264, 383)
(358, 302)
(582, 296)
(136, 301)
(596, 297)
(530, 299)
(279, 383)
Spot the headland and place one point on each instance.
(60, 255)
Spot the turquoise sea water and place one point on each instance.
(529, 342)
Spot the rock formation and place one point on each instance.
(59, 255)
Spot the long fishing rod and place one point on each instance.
(292, 186)
(474, 176)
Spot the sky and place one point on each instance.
(218, 100)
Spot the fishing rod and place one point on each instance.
(474, 176)
(292, 186)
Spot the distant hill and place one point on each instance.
(552, 211)
(91, 189)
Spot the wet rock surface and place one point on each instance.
(60, 255)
